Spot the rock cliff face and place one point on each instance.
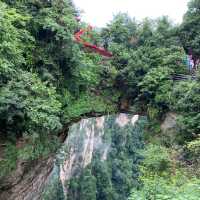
(23, 185)
(86, 139)
(50, 179)
(169, 122)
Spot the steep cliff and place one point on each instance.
(107, 143)
(26, 182)
(102, 147)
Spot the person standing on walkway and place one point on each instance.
(191, 63)
(188, 63)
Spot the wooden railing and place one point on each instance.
(182, 77)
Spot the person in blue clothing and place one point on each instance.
(189, 63)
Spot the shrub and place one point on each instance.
(156, 160)
(158, 188)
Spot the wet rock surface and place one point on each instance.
(27, 182)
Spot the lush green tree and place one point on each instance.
(162, 189)
(190, 28)
(93, 183)
(87, 185)
(156, 160)
(121, 30)
(152, 45)
(46, 78)
(166, 33)
(160, 181)
(104, 183)
(186, 101)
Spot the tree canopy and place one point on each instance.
(48, 80)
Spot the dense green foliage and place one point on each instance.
(47, 80)
(157, 188)
(146, 56)
(190, 29)
(145, 63)
(159, 179)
